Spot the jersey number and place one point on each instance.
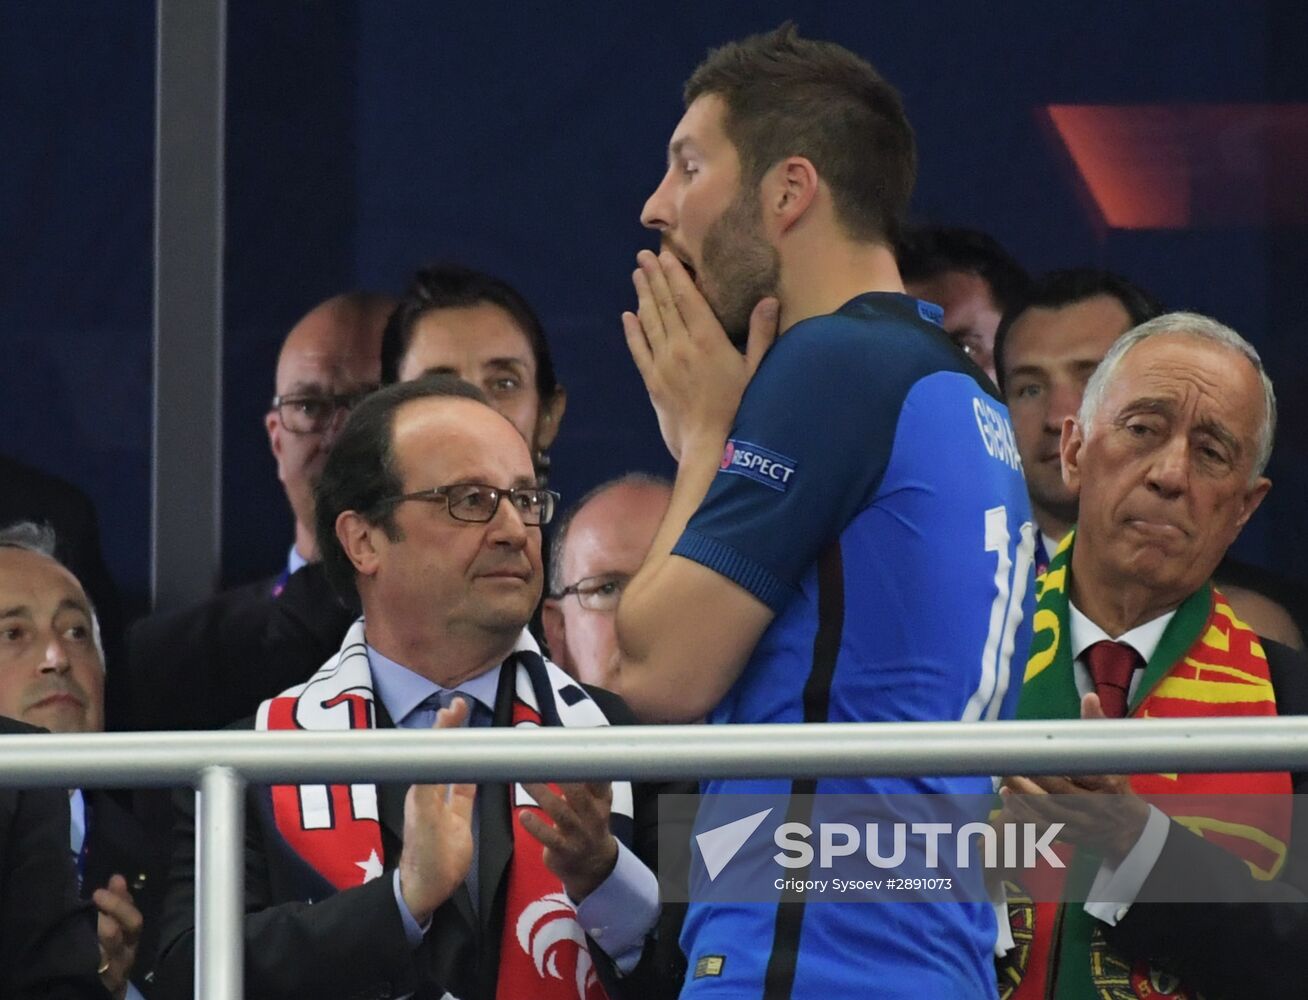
(1011, 575)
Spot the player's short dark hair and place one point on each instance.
(453, 286)
(926, 252)
(360, 470)
(1059, 289)
(791, 96)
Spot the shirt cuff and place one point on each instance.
(413, 931)
(622, 910)
(132, 992)
(1115, 888)
(1004, 942)
(726, 561)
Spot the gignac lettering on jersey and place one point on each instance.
(996, 434)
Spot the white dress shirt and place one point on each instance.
(1115, 887)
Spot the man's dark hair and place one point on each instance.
(560, 525)
(791, 96)
(926, 252)
(360, 470)
(452, 286)
(1059, 289)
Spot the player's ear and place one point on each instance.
(788, 190)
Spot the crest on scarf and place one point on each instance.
(550, 936)
(551, 941)
(1114, 979)
(1011, 969)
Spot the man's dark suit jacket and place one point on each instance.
(1231, 950)
(304, 939)
(48, 949)
(117, 844)
(210, 665)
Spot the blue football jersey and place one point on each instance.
(871, 495)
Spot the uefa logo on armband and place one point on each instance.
(773, 470)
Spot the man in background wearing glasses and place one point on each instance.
(249, 642)
(428, 508)
(330, 360)
(596, 547)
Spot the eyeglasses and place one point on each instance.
(312, 414)
(477, 502)
(598, 593)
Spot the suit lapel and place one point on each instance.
(113, 845)
(390, 798)
(495, 841)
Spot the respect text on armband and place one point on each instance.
(772, 469)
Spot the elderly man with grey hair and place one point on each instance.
(52, 675)
(1167, 457)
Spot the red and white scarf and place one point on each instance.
(336, 829)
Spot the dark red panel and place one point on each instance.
(1189, 166)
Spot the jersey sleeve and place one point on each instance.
(810, 444)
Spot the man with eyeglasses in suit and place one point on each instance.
(249, 642)
(597, 546)
(428, 507)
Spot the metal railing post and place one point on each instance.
(220, 885)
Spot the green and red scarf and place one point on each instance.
(1208, 664)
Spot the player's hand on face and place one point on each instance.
(694, 375)
(118, 928)
(437, 834)
(579, 847)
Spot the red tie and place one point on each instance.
(1111, 666)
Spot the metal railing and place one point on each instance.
(220, 764)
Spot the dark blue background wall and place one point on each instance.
(367, 138)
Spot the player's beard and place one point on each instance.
(738, 266)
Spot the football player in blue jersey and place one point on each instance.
(849, 537)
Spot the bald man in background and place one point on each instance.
(206, 666)
(329, 361)
(596, 548)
